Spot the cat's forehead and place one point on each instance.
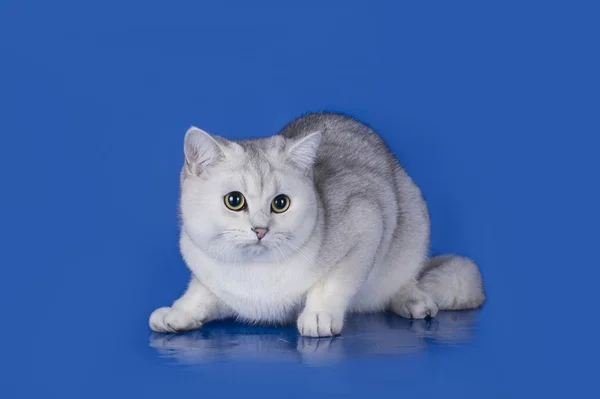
(259, 155)
(257, 164)
(258, 183)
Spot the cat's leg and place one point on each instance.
(194, 308)
(413, 303)
(328, 300)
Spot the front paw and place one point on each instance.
(169, 319)
(320, 324)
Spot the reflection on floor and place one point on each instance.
(375, 334)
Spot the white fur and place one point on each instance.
(454, 282)
(335, 251)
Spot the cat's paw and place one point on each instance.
(320, 324)
(169, 319)
(415, 306)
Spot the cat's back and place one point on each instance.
(350, 151)
(340, 131)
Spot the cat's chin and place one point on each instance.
(253, 248)
(258, 252)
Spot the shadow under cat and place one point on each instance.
(364, 335)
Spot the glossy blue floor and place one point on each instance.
(492, 107)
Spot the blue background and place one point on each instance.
(493, 107)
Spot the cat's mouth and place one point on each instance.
(255, 247)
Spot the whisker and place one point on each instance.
(277, 256)
(299, 251)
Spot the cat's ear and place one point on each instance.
(303, 152)
(201, 150)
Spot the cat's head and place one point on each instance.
(251, 200)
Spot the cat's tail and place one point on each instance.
(453, 282)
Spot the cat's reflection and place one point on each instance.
(375, 334)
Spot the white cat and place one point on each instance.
(309, 225)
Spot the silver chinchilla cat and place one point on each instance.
(307, 226)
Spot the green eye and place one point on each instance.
(280, 204)
(235, 201)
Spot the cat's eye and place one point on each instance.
(280, 204)
(235, 201)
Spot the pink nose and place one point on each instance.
(260, 232)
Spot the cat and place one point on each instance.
(309, 225)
